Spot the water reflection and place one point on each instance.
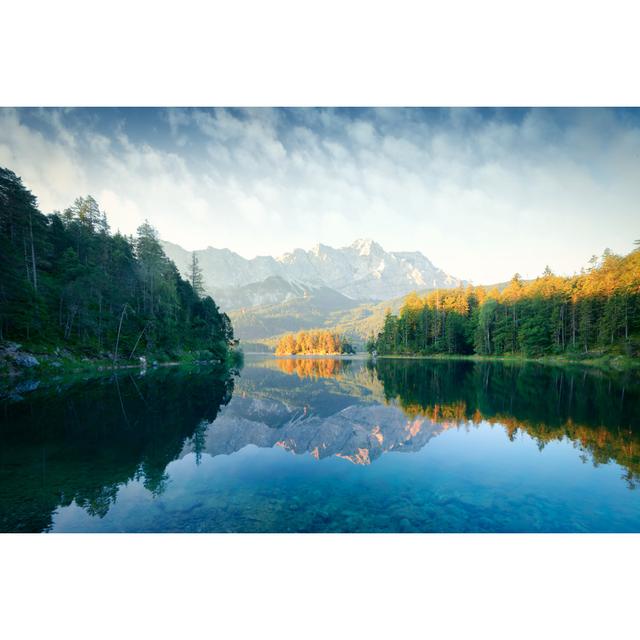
(413, 400)
(81, 442)
(314, 367)
(599, 413)
(89, 444)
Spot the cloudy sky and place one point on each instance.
(482, 193)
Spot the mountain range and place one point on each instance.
(267, 295)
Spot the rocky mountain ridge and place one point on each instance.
(361, 271)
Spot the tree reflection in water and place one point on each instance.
(81, 442)
(314, 367)
(598, 412)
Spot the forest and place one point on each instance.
(313, 342)
(67, 282)
(594, 312)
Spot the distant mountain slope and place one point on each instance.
(355, 320)
(271, 290)
(312, 311)
(361, 271)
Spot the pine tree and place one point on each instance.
(65, 280)
(195, 276)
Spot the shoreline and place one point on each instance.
(18, 364)
(603, 362)
(618, 363)
(77, 366)
(99, 366)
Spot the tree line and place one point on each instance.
(66, 280)
(595, 311)
(313, 342)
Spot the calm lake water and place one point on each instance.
(321, 445)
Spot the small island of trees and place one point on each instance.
(313, 342)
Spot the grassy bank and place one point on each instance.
(38, 361)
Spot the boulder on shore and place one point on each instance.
(11, 354)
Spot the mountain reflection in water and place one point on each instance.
(85, 445)
(419, 399)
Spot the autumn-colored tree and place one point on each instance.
(313, 342)
(596, 310)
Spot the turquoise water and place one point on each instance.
(325, 446)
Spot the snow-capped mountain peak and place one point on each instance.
(365, 246)
(362, 270)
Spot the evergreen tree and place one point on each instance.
(195, 275)
(596, 311)
(66, 281)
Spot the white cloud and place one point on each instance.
(50, 167)
(480, 196)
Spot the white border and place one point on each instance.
(338, 52)
(318, 586)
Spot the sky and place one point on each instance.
(483, 193)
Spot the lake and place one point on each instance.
(324, 445)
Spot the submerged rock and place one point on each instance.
(405, 525)
(26, 386)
